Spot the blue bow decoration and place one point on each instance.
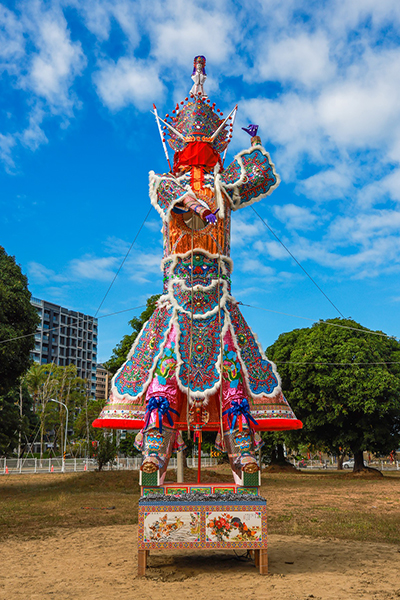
(236, 410)
(161, 405)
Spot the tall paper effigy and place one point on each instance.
(196, 364)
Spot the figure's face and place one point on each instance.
(243, 440)
(199, 67)
(155, 441)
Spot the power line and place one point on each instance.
(118, 312)
(122, 264)
(105, 295)
(321, 322)
(277, 312)
(20, 337)
(339, 364)
(297, 262)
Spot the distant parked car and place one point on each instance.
(349, 464)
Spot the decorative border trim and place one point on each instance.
(235, 201)
(154, 182)
(114, 391)
(278, 389)
(195, 395)
(174, 259)
(203, 509)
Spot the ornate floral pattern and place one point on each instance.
(137, 370)
(232, 367)
(167, 192)
(197, 120)
(231, 174)
(259, 178)
(199, 348)
(204, 300)
(249, 178)
(205, 269)
(166, 365)
(261, 376)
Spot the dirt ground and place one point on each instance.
(331, 537)
(100, 564)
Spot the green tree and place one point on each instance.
(105, 450)
(18, 319)
(120, 352)
(127, 445)
(344, 384)
(17, 420)
(83, 425)
(50, 381)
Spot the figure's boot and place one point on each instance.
(241, 451)
(157, 448)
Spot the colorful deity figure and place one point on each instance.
(196, 364)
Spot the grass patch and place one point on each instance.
(334, 505)
(36, 504)
(313, 504)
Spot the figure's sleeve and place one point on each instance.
(249, 178)
(195, 206)
(165, 193)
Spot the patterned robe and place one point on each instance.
(197, 349)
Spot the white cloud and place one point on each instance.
(58, 60)
(330, 184)
(185, 28)
(302, 59)
(244, 229)
(100, 15)
(295, 217)
(144, 266)
(41, 274)
(7, 143)
(128, 81)
(366, 227)
(12, 43)
(91, 267)
(33, 136)
(37, 52)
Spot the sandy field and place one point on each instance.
(100, 564)
(74, 537)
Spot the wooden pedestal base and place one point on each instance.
(207, 525)
(260, 561)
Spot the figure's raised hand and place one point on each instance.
(210, 216)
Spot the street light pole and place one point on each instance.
(65, 437)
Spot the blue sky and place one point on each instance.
(322, 79)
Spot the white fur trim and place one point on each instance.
(174, 258)
(114, 390)
(235, 201)
(196, 395)
(224, 297)
(278, 389)
(154, 183)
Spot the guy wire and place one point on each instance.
(122, 263)
(191, 331)
(222, 354)
(297, 262)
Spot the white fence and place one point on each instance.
(381, 465)
(10, 466)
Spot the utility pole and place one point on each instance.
(65, 437)
(20, 422)
(87, 421)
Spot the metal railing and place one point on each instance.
(381, 465)
(12, 466)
